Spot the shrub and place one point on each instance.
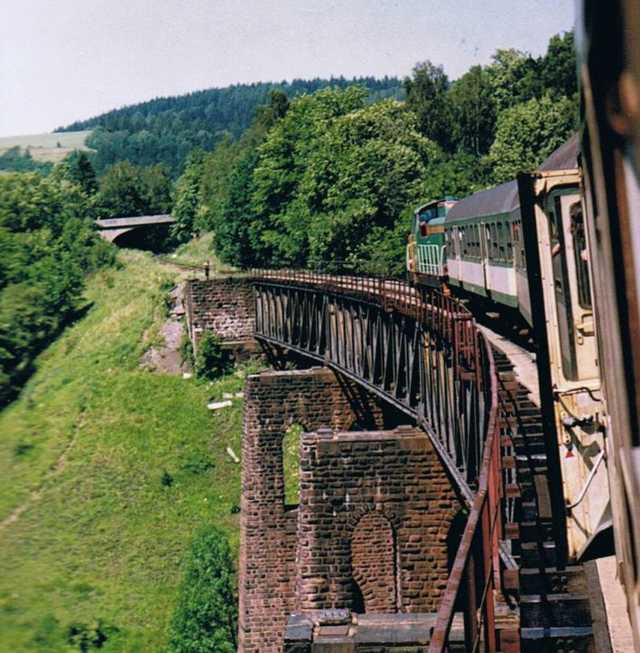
(197, 463)
(205, 617)
(85, 637)
(186, 349)
(211, 360)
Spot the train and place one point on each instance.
(516, 246)
(558, 248)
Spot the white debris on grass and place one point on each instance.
(232, 455)
(232, 395)
(187, 375)
(217, 405)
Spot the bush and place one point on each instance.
(186, 349)
(205, 617)
(211, 361)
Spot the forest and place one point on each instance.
(325, 174)
(331, 178)
(165, 130)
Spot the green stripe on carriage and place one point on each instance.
(504, 298)
(472, 287)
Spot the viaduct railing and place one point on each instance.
(422, 352)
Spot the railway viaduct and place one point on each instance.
(420, 503)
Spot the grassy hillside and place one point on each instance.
(47, 147)
(88, 530)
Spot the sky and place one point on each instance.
(66, 60)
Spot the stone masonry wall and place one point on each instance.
(375, 507)
(313, 398)
(224, 305)
(374, 564)
(345, 478)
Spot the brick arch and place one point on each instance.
(374, 565)
(355, 515)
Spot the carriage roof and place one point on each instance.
(564, 158)
(493, 201)
(504, 198)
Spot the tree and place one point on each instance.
(559, 65)
(527, 133)
(514, 78)
(78, 169)
(473, 112)
(187, 198)
(155, 189)
(427, 98)
(165, 130)
(236, 235)
(205, 617)
(368, 167)
(48, 242)
(330, 183)
(128, 190)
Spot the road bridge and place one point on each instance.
(112, 228)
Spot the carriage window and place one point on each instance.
(509, 241)
(580, 255)
(494, 240)
(562, 292)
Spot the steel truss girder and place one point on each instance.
(406, 361)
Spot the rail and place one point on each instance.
(421, 351)
(205, 267)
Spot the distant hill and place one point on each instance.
(166, 129)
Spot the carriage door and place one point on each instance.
(571, 285)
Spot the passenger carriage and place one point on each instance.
(484, 250)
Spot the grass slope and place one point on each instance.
(47, 147)
(88, 530)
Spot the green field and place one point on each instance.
(88, 531)
(47, 147)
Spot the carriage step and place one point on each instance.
(554, 610)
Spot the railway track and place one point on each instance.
(554, 600)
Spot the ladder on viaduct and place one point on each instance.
(421, 352)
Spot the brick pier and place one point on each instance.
(376, 507)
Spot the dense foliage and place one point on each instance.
(462, 116)
(130, 190)
(211, 360)
(205, 618)
(334, 179)
(15, 159)
(48, 243)
(529, 132)
(165, 130)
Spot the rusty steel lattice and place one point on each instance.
(422, 352)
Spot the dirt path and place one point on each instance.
(167, 358)
(35, 495)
